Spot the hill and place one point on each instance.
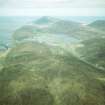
(94, 51)
(98, 24)
(45, 20)
(36, 73)
(42, 68)
(51, 25)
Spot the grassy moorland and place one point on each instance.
(94, 51)
(40, 72)
(98, 24)
(56, 26)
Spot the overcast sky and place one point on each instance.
(52, 7)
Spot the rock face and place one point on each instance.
(39, 73)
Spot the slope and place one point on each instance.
(36, 73)
(55, 26)
(98, 24)
(93, 50)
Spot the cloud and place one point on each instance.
(33, 3)
(3, 2)
(54, 12)
(52, 4)
(52, 7)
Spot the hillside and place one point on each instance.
(45, 20)
(48, 65)
(56, 26)
(39, 74)
(94, 51)
(98, 24)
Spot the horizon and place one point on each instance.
(80, 19)
(53, 12)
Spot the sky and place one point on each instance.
(52, 7)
